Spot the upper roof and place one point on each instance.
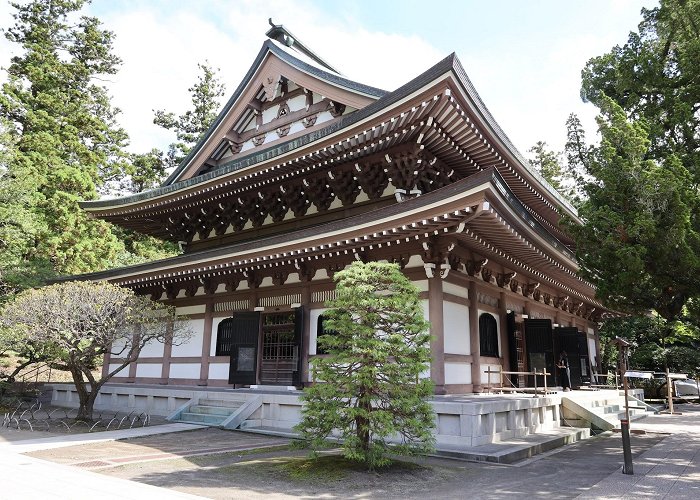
(461, 116)
(308, 65)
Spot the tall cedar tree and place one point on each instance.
(83, 321)
(655, 76)
(640, 243)
(60, 144)
(370, 392)
(191, 126)
(66, 141)
(640, 238)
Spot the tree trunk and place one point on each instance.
(362, 423)
(87, 401)
(85, 396)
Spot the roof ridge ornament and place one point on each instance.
(282, 35)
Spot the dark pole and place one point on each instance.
(625, 424)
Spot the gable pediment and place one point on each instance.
(277, 101)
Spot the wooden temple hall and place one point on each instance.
(305, 171)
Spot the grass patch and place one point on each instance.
(332, 467)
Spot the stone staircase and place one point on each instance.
(223, 413)
(600, 411)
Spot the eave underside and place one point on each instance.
(433, 121)
(467, 226)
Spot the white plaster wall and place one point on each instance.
(183, 311)
(324, 116)
(495, 380)
(193, 347)
(422, 285)
(414, 260)
(218, 371)
(458, 373)
(296, 127)
(297, 103)
(459, 291)
(266, 281)
(270, 114)
(426, 309)
(151, 370)
(456, 324)
(591, 350)
(313, 328)
(153, 349)
(185, 370)
(498, 328)
(321, 274)
(123, 373)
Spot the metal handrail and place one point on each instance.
(500, 372)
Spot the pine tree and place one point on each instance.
(191, 125)
(370, 392)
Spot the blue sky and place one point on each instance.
(524, 57)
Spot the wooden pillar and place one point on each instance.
(503, 332)
(167, 353)
(474, 336)
(105, 362)
(132, 366)
(437, 332)
(306, 332)
(206, 343)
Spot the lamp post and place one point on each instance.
(623, 346)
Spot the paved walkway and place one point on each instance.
(671, 469)
(26, 478)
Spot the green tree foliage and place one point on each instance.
(548, 164)
(77, 323)
(640, 241)
(65, 139)
(655, 344)
(655, 76)
(60, 144)
(372, 391)
(191, 125)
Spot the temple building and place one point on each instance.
(305, 171)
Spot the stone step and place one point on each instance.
(226, 403)
(201, 418)
(212, 410)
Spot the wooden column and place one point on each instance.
(105, 362)
(437, 332)
(132, 366)
(474, 336)
(306, 332)
(167, 353)
(503, 333)
(206, 343)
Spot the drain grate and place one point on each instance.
(94, 463)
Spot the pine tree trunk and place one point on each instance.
(362, 423)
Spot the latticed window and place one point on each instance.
(488, 335)
(224, 337)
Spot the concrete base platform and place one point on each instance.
(504, 452)
(515, 450)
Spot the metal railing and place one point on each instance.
(544, 374)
